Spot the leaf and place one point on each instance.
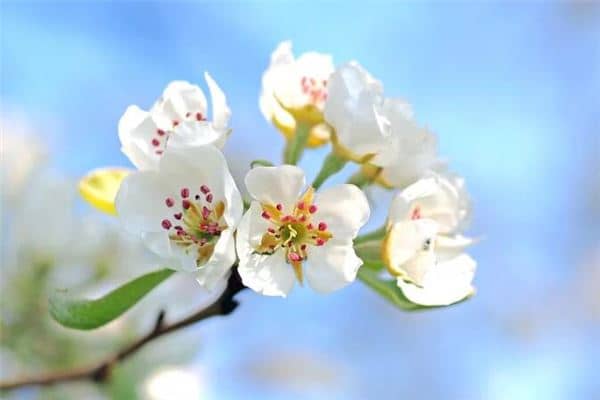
(91, 314)
(388, 289)
(99, 188)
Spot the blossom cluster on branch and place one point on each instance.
(184, 204)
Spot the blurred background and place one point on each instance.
(511, 88)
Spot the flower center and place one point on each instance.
(196, 222)
(161, 136)
(315, 89)
(295, 232)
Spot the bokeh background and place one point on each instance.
(511, 88)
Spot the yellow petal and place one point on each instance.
(99, 187)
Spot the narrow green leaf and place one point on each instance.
(91, 314)
(377, 234)
(388, 289)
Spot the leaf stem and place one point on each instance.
(295, 146)
(377, 234)
(332, 164)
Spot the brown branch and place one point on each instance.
(100, 372)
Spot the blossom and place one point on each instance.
(291, 87)
(355, 109)
(288, 225)
(179, 118)
(186, 211)
(423, 247)
(410, 152)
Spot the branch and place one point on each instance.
(100, 372)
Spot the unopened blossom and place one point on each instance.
(179, 118)
(291, 233)
(410, 151)
(423, 247)
(186, 211)
(296, 87)
(355, 109)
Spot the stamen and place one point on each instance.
(204, 189)
(209, 197)
(185, 193)
(169, 202)
(160, 132)
(322, 226)
(312, 209)
(166, 224)
(178, 215)
(279, 207)
(266, 215)
(186, 204)
(155, 142)
(294, 256)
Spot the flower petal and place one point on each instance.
(331, 267)
(194, 133)
(344, 208)
(220, 111)
(137, 128)
(447, 283)
(266, 274)
(219, 264)
(136, 213)
(408, 249)
(273, 185)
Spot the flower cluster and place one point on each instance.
(185, 205)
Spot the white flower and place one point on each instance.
(286, 227)
(178, 118)
(423, 247)
(411, 150)
(355, 109)
(186, 211)
(295, 84)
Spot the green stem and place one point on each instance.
(377, 234)
(332, 164)
(295, 146)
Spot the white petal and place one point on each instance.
(344, 208)
(137, 128)
(219, 264)
(402, 202)
(447, 283)
(139, 202)
(331, 267)
(273, 185)
(448, 247)
(179, 98)
(174, 257)
(410, 248)
(354, 108)
(195, 133)
(204, 165)
(220, 111)
(270, 275)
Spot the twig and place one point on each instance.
(100, 372)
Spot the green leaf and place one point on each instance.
(262, 163)
(295, 146)
(91, 314)
(374, 235)
(388, 289)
